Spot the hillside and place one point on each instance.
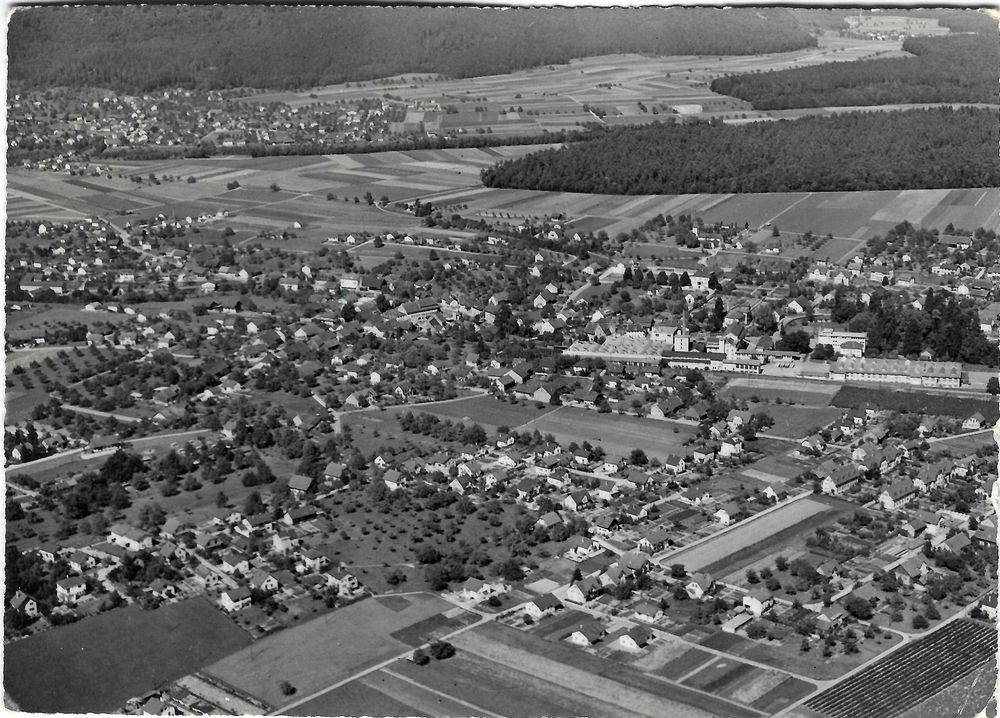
(853, 151)
(956, 68)
(144, 48)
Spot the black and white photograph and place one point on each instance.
(501, 361)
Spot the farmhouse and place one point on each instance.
(897, 494)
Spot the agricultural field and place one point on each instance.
(325, 650)
(611, 688)
(615, 433)
(973, 692)
(86, 667)
(750, 533)
(911, 674)
(553, 97)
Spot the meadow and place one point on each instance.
(86, 667)
(325, 650)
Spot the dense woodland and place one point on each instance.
(954, 68)
(150, 47)
(916, 149)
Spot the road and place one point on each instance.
(76, 454)
(102, 414)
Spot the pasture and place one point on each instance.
(324, 651)
(911, 674)
(86, 667)
(615, 433)
(852, 396)
(795, 422)
(748, 534)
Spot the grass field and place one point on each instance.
(325, 650)
(615, 433)
(796, 422)
(486, 411)
(88, 667)
(747, 534)
(787, 390)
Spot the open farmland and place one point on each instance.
(325, 650)
(627, 691)
(911, 674)
(553, 97)
(615, 433)
(450, 179)
(750, 533)
(795, 422)
(87, 667)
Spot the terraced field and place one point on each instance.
(910, 675)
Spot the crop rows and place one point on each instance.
(911, 674)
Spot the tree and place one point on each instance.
(221, 500)
(677, 570)
(781, 563)
(919, 622)
(752, 576)
(442, 650)
(858, 607)
(993, 386)
(421, 658)
(638, 457)
(287, 688)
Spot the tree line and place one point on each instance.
(953, 68)
(140, 49)
(914, 149)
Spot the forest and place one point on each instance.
(953, 68)
(856, 151)
(140, 49)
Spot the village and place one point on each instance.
(606, 446)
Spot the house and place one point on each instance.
(299, 485)
(542, 606)
(654, 542)
(24, 603)
(956, 544)
(80, 561)
(314, 561)
(674, 464)
(162, 590)
(698, 585)
(581, 546)
(345, 582)
(897, 494)
(235, 599)
(695, 496)
(69, 590)
(975, 422)
(634, 562)
(841, 479)
(129, 537)
(233, 561)
(727, 513)
(584, 590)
(636, 638)
(758, 601)
(576, 501)
(648, 611)
(587, 634)
(605, 525)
